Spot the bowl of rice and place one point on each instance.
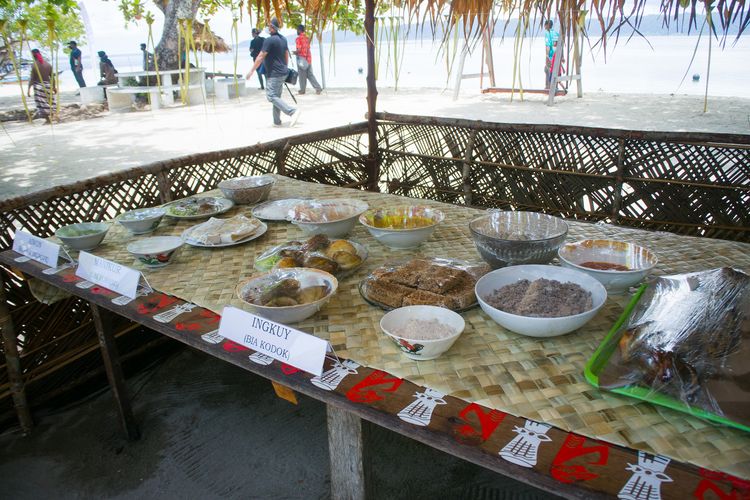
(422, 332)
(540, 300)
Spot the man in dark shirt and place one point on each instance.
(256, 45)
(275, 56)
(75, 63)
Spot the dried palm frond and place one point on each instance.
(207, 41)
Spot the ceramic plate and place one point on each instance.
(275, 210)
(257, 234)
(361, 252)
(219, 206)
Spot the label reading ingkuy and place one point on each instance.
(36, 248)
(293, 347)
(111, 275)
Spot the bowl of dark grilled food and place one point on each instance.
(539, 300)
(288, 295)
(512, 238)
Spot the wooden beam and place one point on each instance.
(104, 331)
(13, 364)
(347, 439)
(373, 165)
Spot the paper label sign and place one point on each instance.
(293, 347)
(111, 275)
(36, 248)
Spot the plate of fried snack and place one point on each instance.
(336, 256)
(427, 281)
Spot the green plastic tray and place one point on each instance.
(601, 356)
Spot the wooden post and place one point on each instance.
(556, 67)
(488, 54)
(281, 158)
(466, 172)
(13, 364)
(460, 72)
(372, 163)
(114, 370)
(347, 436)
(577, 58)
(319, 36)
(619, 180)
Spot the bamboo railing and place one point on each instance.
(687, 183)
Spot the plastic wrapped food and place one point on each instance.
(437, 282)
(336, 256)
(688, 338)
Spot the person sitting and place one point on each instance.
(107, 71)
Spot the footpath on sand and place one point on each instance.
(37, 156)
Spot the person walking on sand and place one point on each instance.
(256, 45)
(304, 61)
(44, 88)
(148, 59)
(275, 57)
(75, 63)
(550, 45)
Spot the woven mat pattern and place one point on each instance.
(537, 379)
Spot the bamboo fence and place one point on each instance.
(696, 184)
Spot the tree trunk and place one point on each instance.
(173, 10)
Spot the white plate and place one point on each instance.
(275, 210)
(224, 205)
(257, 234)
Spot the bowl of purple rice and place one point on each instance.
(540, 300)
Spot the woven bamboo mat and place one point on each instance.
(537, 379)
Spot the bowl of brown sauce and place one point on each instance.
(618, 265)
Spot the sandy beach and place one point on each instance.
(37, 156)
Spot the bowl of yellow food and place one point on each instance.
(402, 227)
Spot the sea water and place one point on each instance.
(653, 66)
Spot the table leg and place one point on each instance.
(114, 370)
(13, 364)
(350, 468)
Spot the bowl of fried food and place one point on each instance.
(335, 217)
(618, 265)
(538, 300)
(403, 226)
(287, 295)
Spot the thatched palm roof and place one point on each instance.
(208, 41)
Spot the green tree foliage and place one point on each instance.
(43, 24)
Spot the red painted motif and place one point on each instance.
(71, 278)
(572, 450)
(721, 486)
(469, 432)
(99, 290)
(153, 304)
(231, 346)
(369, 389)
(206, 320)
(288, 369)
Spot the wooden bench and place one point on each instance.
(121, 98)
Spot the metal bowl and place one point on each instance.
(511, 238)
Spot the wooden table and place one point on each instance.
(567, 464)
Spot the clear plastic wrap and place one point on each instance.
(688, 338)
(322, 211)
(424, 281)
(336, 256)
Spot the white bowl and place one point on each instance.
(156, 251)
(247, 190)
(639, 261)
(402, 227)
(141, 220)
(422, 349)
(289, 314)
(83, 235)
(335, 217)
(533, 326)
